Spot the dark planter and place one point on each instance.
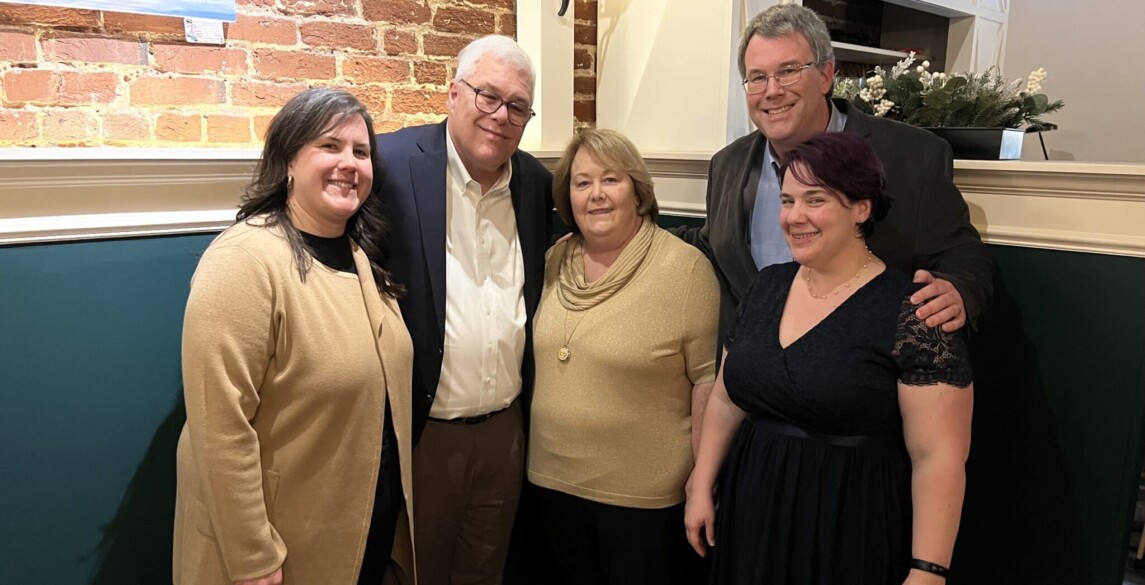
(983, 143)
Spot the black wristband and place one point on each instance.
(929, 567)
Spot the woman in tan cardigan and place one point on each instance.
(624, 346)
(293, 466)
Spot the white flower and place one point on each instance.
(883, 107)
(902, 66)
(1034, 82)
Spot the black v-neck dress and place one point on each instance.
(816, 486)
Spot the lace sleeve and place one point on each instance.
(929, 355)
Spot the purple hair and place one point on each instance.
(846, 165)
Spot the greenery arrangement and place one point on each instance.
(918, 97)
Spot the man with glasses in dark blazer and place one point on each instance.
(470, 220)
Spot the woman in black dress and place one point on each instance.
(840, 420)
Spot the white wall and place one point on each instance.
(662, 73)
(1094, 53)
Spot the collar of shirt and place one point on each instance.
(464, 182)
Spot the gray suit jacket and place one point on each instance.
(928, 226)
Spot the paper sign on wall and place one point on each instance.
(209, 9)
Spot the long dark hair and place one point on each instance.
(304, 118)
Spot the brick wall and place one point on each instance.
(89, 78)
(584, 59)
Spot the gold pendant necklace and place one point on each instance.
(850, 281)
(564, 352)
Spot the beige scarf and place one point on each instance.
(577, 295)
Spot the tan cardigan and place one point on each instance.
(612, 424)
(285, 385)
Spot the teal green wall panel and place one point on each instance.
(89, 380)
(1059, 402)
(90, 408)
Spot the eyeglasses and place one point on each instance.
(519, 114)
(787, 76)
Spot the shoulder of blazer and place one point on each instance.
(407, 141)
(532, 168)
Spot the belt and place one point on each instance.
(886, 441)
(470, 420)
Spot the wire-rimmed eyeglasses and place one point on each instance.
(519, 114)
(757, 83)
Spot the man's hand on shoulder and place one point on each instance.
(941, 303)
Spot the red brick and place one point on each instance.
(443, 46)
(585, 110)
(18, 126)
(255, 3)
(121, 22)
(430, 73)
(374, 98)
(228, 129)
(176, 90)
(69, 127)
(387, 125)
(319, 7)
(126, 127)
(60, 88)
(506, 4)
(584, 84)
(338, 35)
(263, 29)
(507, 25)
(18, 47)
(95, 50)
(264, 95)
(55, 17)
(75, 88)
(418, 101)
(271, 64)
(397, 42)
(584, 34)
(375, 70)
(582, 59)
(464, 20)
(27, 86)
(396, 11)
(199, 59)
(585, 10)
(261, 125)
(179, 127)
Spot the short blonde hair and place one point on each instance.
(613, 151)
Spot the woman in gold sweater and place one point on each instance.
(296, 369)
(625, 346)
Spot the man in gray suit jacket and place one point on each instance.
(786, 60)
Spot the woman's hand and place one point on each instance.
(700, 518)
(274, 578)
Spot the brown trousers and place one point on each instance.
(467, 482)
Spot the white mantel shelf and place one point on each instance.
(1075, 206)
(66, 194)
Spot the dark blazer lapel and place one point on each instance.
(427, 171)
(741, 278)
(524, 208)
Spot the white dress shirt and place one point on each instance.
(484, 296)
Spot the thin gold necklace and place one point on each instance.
(838, 289)
(564, 352)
